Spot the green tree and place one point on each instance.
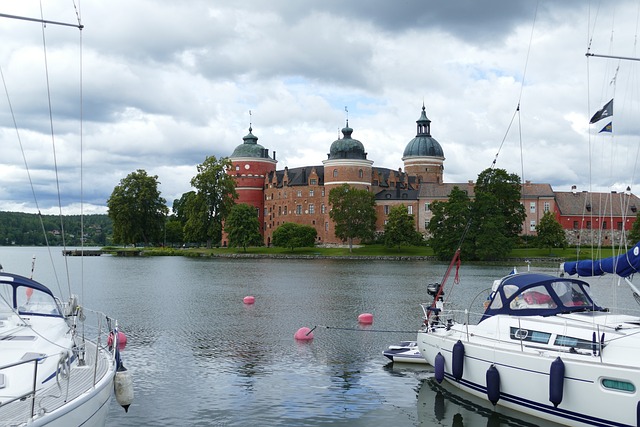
(550, 233)
(173, 231)
(292, 235)
(497, 215)
(400, 228)
(448, 224)
(353, 212)
(216, 192)
(242, 226)
(634, 233)
(137, 210)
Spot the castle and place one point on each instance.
(301, 194)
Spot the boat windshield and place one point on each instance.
(27, 300)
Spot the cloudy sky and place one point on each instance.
(167, 83)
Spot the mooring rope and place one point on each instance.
(362, 330)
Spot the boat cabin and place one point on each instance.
(26, 297)
(535, 294)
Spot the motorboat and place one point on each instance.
(543, 346)
(404, 352)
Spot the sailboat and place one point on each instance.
(543, 345)
(60, 363)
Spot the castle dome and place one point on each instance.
(347, 147)
(250, 147)
(423, 145)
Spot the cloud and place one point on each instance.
(165, 84)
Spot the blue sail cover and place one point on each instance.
(623, 265)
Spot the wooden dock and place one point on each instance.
(98, 252)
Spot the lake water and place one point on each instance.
(200, 357)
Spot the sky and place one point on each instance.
(165, 84)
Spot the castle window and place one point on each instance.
(298, 209)
(312, 181)
(532, 225)
(279, 210)
(322, 208)
(312, 208)
(426, 207)
(323, 192)
(360, 173)
(547, 206)
(410, 210)
(284, 212)
(386, 209)
(335, 173)
(326, 226)
(311, 193)
(532, 207)
(575, 225)
(299, 193)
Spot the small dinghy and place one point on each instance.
(405, 352)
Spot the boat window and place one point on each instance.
(535, 297)
(565, 341)
(532, 336)
(6, 298)
(618, 385)
(571, 294)
(509, 290)
(33, 301)
(497, 302)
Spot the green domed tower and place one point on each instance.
(347, 162)
(423, 156)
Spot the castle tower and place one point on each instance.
(347, 163)
(251, 163)
(423, 156)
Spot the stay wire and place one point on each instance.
(53, 144)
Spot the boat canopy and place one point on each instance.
(623, 265)
(26, 297)
(536, 294)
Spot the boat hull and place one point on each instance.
(525, 376)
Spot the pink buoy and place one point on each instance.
(365, 318)
(249, 300)
(122, 340)
(303, 334)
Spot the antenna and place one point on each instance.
(347, 114)
(249, 119)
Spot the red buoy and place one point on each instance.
(249, 299)
(365, 319)
(122, 340)
(303, 334)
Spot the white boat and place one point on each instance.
(544, 347)
(59, 362)
(51, 373)
(405, 352)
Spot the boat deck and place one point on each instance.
(81, 381)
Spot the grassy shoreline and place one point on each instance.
(368, 252)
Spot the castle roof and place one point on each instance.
(347, 147)
(423, 145)
(250, 148)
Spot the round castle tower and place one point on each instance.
(423, 156)
(251, 163)
(347, 162)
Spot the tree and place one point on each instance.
(215, 195)
(400, 228)
(448, 224)
(353, 212)
(137, 210)
(242, 226)
(634, 233)
(292, 235)
(496, 213)
(550, 233)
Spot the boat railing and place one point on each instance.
(441, 317)
(29, 394)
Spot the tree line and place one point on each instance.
(24, 229)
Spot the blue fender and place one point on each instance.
(458, 360)
(556, 381)
(493, 384)
(439, 367)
